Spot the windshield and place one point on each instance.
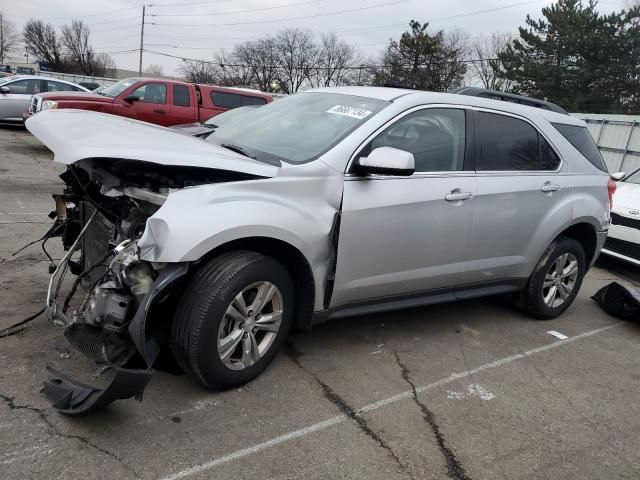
(299, 128)
(228, 116)
(117, 88)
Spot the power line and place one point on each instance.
(358, 67)
(136, 25)
(185, 3)
(235, 11)
(92, 14)
(326, 14)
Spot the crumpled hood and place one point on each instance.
(74, 135)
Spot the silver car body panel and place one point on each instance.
(13, 105)
(397, 235)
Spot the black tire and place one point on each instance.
(202, 308)
(531, 299)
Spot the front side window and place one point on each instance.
(180, 95)
(435, 137)
(151, 93)
(24, 87)
(299, 128)
(233, 100)
(509, 144)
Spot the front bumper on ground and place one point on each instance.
(71, 397)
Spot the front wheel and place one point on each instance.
(233, 318)
(555, 281)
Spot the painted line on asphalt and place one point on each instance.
(196, 469)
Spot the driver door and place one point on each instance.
(409, 235)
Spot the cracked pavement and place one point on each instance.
(471, 390)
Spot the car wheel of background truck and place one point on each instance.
(555, 281)
(232, 319)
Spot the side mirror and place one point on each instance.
(5, 90)
(617, 176)
(387, 161)
(132, 98)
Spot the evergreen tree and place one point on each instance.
(422, 61)
(578, 58)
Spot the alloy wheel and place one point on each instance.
(560, 280)
(250, 325)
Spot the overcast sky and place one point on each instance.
(197, 28)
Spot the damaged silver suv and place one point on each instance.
(326, 204)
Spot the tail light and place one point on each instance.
(611, 189)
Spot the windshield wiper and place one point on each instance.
(237, 149)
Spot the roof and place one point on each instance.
(423, 97)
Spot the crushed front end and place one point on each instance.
(104, 311)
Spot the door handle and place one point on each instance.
(457, 196)
(157, 110)
(548, 187)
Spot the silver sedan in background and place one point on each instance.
(16, 92)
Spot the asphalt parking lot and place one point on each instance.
(472, 390)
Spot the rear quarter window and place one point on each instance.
(581, 139)
(234, 100)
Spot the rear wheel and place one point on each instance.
(555, 281)
(233, 318)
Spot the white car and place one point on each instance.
(16, 92)
(624, 233)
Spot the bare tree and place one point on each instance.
(153, 70)
(297, 54)
(336, 62)
(262, 57)
(79, 55)
(198, 72)
(9, 38)
(102, 65)
(40, 39)
(231, 71)
(485, 64)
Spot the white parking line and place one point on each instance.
(374, 406)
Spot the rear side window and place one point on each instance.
(233, 100)
(581, 139)
(508, 144)
(181, 95)
(59, 87)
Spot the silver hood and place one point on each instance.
(74, 135)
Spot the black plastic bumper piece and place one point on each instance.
(72, 398)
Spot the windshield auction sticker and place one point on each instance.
(352, 112)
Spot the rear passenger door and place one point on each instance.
(183, 107)
(523, 198)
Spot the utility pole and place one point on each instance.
(1, 40)
(141, 41)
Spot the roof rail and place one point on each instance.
(510, 97)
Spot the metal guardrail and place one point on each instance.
(76, 78)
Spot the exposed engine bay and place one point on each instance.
(100, 216)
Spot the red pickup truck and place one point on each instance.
(159, 101)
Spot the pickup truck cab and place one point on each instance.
(160, 101)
